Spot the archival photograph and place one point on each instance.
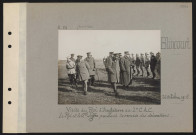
(102, 67)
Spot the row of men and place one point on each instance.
(120, 69)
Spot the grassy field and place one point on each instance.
(142, 91)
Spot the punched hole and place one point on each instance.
(9, 102)
(9, 46)
(9, 33)
(9, 89)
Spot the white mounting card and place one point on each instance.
(144, 86)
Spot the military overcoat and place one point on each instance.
(125, 69)
(82, 69)
(92, 64)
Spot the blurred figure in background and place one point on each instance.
(70, 65)
(137, 64)
(153, 62)
(147, 63)
(142, 63)
(158, 64)
(133, 63)
(82, 68)
(117, 59)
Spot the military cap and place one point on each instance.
(79, 56)
(126, 52)
(111, 52)
(116, 54)
(72, 54)
(88, 53)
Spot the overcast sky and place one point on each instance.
(101, 42)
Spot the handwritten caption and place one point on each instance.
(92, 113)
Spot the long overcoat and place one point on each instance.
(125, 69)
(82, 69)
(113, 71)
(92, 64)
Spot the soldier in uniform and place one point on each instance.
(153, 62)
(147, 63)
(137, 64)
(125, 69)
(82, 68)
(133, 63)
(142, 63)
(70, 65)
(92, 71)
(117, 59)
(113, 72)
(121, 72)
(108, 61)
(158, 64)
(72, 58)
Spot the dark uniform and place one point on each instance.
(125, 69)
(147, 64)
(137, 64)
(153, 62)
(107, 62)
(113, 68)
(142, 64)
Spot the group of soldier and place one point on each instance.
(120, 69)
(81, 69)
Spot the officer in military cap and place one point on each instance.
(113, 72)
(72, 58)
(107, 62)
(125, 69)
(82, 68)
(92, 71)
